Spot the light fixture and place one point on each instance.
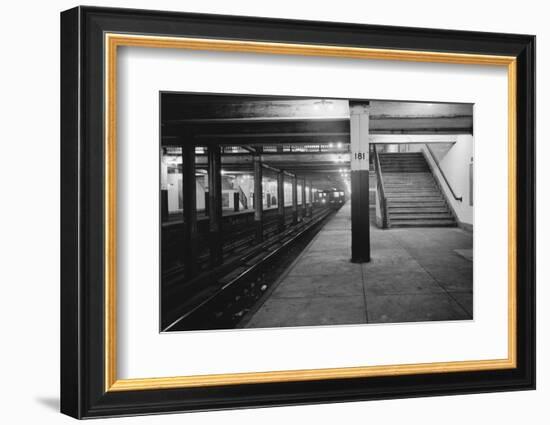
(323, 102)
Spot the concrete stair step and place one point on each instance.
(403, 164)
(412, 201)
(400, 154)
(409, 189)
(403, 170)
(422, 223)
(425, 216)
(406, 199)
(401, 167)
(415, 203)
(428, 174)
(398, 159)
(407, 178)
(402, 161)
(404, 177)
(389, 175)
(418, 207)
(411, 195)
(407, 162)
(400, 190)
(409, 183)
(413, 188)
(418, 210)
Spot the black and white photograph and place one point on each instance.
(282, 211)
(311, 211)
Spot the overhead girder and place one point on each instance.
(309, 132)
(196, 107)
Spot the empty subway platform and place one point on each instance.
(293, 211)
(415, 274)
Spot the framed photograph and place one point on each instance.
(261, 212)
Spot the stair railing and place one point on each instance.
(381, 190)
(458, 198)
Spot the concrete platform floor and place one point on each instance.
(416, 274)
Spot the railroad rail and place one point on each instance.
(238, 235)
(219, 298)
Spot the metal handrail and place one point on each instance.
(381, 190)
(458, 198)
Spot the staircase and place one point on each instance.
(413, 198)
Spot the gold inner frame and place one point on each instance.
(113, 41)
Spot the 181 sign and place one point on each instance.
(360, 160)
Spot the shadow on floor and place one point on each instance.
(49, 402)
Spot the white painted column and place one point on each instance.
(360, 213)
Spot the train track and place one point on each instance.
(221, 298)
(237, 239)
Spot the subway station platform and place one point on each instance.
(415, 275)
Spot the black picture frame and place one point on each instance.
(83, 392)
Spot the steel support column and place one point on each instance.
(310, 208)
(163, 187)
(304, 203)
(360, 213)
(258, 199)
(215, 205)
(281, 200)
(294, 199)
(189, 211)
(164, 205)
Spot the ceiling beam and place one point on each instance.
(307, 159)
(412, 138)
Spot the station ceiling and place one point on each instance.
(308, 137)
